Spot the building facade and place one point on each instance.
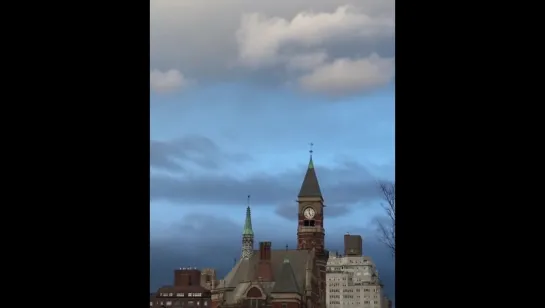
(352, 279)
(208, 278)
(281, 278)
(187, 291)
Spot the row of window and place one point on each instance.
(352, 290)
(181, 294)
(351, 303)
(350, 296)
(331, 268)
(349, 261)
(169, 303)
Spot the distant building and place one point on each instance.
(352, 280)
(208, 278)
(281, 278)
(187, 291)
(353, 245)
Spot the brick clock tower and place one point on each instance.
(310, 230)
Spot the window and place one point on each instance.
(256, 303)
(180, 294)
(205, 304)
(169, 294)
(376, 302)
(284, 305)
(309, 223)
(150, 304)
(169, 303)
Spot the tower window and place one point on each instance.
(309, 223)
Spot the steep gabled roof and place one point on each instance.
(285, 279)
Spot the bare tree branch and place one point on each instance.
(387, 229)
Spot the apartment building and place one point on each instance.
(352, 280)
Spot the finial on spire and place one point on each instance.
(248, 200)
(311, 151)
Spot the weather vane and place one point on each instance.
(311, 151)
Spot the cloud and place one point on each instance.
(167, 81)
(349, 183)
(188, 151)
(306, 61)
(348, 76)
(261, 39)
(205, 240)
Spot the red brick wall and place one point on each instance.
(289, 305)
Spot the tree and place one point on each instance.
(387, 228)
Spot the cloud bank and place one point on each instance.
(276, 43)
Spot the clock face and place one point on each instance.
(309, 213)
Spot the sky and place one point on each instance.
(239, 89)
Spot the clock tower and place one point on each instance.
(310, 230)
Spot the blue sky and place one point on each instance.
(233, 108)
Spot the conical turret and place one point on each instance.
(310, 187)
(248, 223)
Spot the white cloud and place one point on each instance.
(277, 40)
(306, 61)
(346, 75)
(167, 81)
(260, 39)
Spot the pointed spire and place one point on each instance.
(248, 223)
(310, 187)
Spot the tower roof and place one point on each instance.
(310, 187)
(248, 223)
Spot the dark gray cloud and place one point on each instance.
(203, 240)
(196, 150)
(348, 183)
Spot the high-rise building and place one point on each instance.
(281, 278)
(352, 279)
